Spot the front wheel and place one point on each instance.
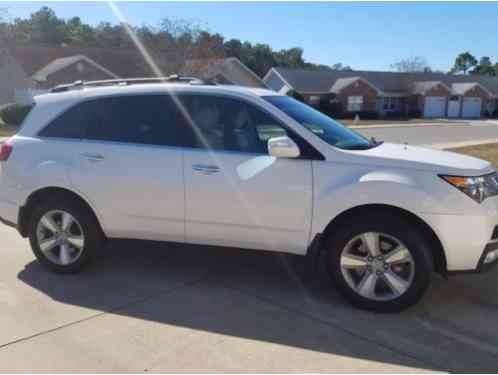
(380, 263)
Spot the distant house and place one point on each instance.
(34, 69)
(12, 78)
(229, 71)
(431, 95)
(70, 69)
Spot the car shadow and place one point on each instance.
(280, 299)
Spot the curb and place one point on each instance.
(444, 146)
(422, 124)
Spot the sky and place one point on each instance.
(365, 36)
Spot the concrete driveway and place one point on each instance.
(144, 307)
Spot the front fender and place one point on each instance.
(388, 187)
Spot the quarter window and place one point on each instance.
(71, 124)
(355, 103)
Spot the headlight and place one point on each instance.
(478, 188)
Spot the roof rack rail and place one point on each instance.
(129, 81)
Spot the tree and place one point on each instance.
(340, 66)
(464, 62)
(412, 65)
(80, 33)
(485, 67)
(46, 27)
(171, 43)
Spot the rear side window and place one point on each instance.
(144, 119)
(71, 124)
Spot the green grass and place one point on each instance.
(487, 152)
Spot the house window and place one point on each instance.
(391, 104)
(355, 103)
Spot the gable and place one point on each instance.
(273, 81)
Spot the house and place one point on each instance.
(230, 71)
(12, 78)
(34, 69)
(70, 69)
(384, 94)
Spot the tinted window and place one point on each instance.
(228, 124)
(319, 124)
(70, 124)
(145, 119)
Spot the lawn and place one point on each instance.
(487, 152)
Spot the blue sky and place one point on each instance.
(368, 36)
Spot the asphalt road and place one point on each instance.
(430, 135)
(145, 307)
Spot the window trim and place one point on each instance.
(312, 154)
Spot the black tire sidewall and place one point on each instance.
(410, 235)
(91, 232)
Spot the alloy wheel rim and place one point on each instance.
(377, 266)
(60, 237)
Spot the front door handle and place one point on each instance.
(92, 157)
(205, 169)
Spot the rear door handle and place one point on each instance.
(92, 157)
(205, 169)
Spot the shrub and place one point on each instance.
(15, 114)
(294, 94)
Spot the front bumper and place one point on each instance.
(466, 239)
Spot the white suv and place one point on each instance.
(247, 168)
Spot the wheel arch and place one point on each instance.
(438, 253)
(49, 192)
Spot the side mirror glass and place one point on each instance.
(283, 147)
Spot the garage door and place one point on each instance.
(435, 106)
(471, 107)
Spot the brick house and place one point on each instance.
(37, 68)
(12, 77)
(384, 94)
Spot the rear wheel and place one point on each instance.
(380, 263)
(64, 236)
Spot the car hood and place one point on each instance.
(406, 156)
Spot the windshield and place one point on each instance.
(319, 124)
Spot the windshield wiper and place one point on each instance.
(374, 142)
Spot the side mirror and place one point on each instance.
(283, 147)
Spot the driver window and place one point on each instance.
(228, 124)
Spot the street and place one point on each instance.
(149, 307)
(433, 135)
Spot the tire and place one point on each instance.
(390, 281)
(81, 241)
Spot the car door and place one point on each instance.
(130, 165)
(236, 194)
